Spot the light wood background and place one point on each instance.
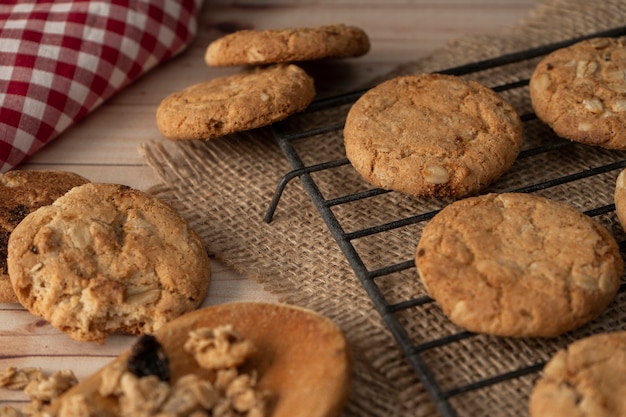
(103, 147)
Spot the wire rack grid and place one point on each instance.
(442, 391)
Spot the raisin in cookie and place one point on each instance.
(235, 103)
(588, 378)
(106, 257)
(22, 192)
(260, 47)
(432, 135)
(518, 265)
(580, 91)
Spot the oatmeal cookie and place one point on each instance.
(588, 378)
(106, 258)
(300, 357)
(518, 265)
(619, 197)
(260, 47)
(235, 103)
(22, 192)
(580, 92)
(432, 135)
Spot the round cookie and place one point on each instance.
(586, 379)
(235, 103)
(432, 135)
(518, 265)
(580, 92)
(259, 47)
(22, 192)
(106, 258)
(619, 198)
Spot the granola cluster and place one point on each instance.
(221, 350)
(40, 389)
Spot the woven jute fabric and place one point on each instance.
(224, 187)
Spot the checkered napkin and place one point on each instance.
(59, 60)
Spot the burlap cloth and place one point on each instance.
(224, 187)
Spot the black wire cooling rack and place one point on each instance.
(442, 393)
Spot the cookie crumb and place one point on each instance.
(40, 389)
(218, 348)
(17, 379)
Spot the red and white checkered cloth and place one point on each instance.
(59, 60)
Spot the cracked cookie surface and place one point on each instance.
(260, 47)
(22, 192)
(588, 378)
(432, 135)
(106, 258)
(518, 265)
(235, 103)
(580, 92)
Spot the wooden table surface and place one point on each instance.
(103, 147)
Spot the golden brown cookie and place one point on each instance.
(432, 135)
(518, 265)
(260, 47)
(22, 192)
(106, 257)
(588, 378)
(301, 357)
(235, 103)
(619, 198)
(580, 91)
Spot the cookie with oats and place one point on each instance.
(260, 47)
(619, 197)
(518, 265)
(432, 135)
(580, 92)
(22, 192)
(235, 103)
(588, 378)
(105, 258)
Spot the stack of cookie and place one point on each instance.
(93, 259)
(271, 90)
